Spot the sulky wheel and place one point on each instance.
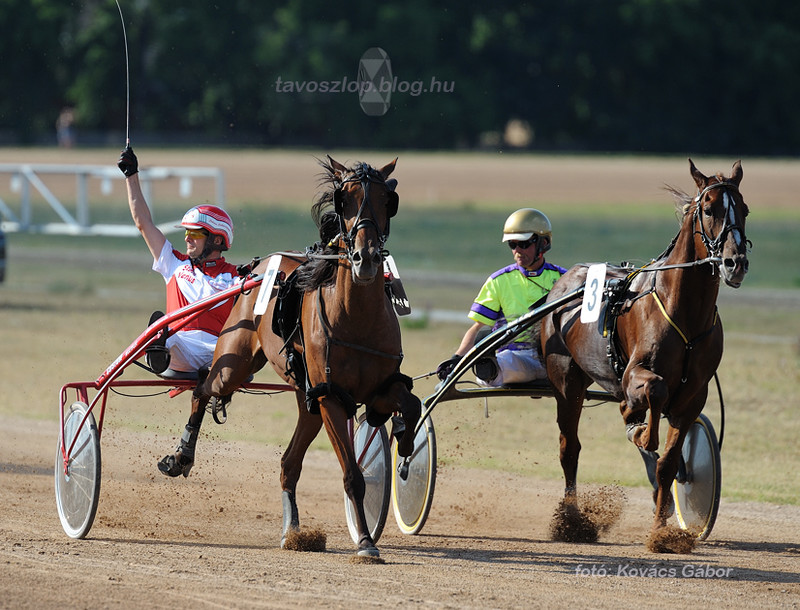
(413, 480)
(77, 482)
(697, 486)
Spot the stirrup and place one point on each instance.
(486, 369)
(218, 408)
(156, 354)
(158, 358)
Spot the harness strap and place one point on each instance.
(666, 315)
(329, 339)
(689, 344)
(327, 389)
(610, 325)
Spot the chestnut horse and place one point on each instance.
(336, 339)
(660, 341)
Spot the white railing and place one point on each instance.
(28, 178)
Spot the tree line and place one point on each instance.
(703, 76)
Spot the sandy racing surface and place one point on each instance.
(212, 541)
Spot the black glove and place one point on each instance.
(446, 367)
(128, 163)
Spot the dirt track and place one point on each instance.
(211, 541)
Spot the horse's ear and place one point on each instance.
(699, 179)
(337, 167)
(736, 173)
(387, 169)
(392, 198)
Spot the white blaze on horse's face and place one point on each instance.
(733, 246)
(730, 206)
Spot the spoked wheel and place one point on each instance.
(413, 481)
(372, 452)
(78, 486)
(697, 486)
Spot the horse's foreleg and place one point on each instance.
(410, 408)
(666, 470)
(399, 398)
(306, 430)
(335, 420)
(644, 390)
(182, 460)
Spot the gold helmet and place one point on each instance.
(525, 223)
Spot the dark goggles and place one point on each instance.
(524, 245)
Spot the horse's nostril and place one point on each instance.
(729, 262)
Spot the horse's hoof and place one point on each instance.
(173, 466)
(371, 551)
(634, 433)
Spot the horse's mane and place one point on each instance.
(683, 203)
(322, 271)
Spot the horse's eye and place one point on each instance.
(708, 212)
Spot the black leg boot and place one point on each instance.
(182, 460)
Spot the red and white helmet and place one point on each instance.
(213, 219)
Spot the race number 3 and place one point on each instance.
(267, 285)
(593, 293)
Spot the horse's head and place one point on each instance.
(364, 200)
(719, 218)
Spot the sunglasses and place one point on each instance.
(196, 233)
(523, 244)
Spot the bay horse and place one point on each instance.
(336, 339)
(660, 339)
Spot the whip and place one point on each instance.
(127, 80)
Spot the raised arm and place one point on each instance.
(140, 212)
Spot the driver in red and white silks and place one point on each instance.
(198, 273)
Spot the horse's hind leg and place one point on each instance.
(228, 371)
(306, 430)
(569, 415)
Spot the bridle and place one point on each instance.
(365, 175)
(714, 246)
